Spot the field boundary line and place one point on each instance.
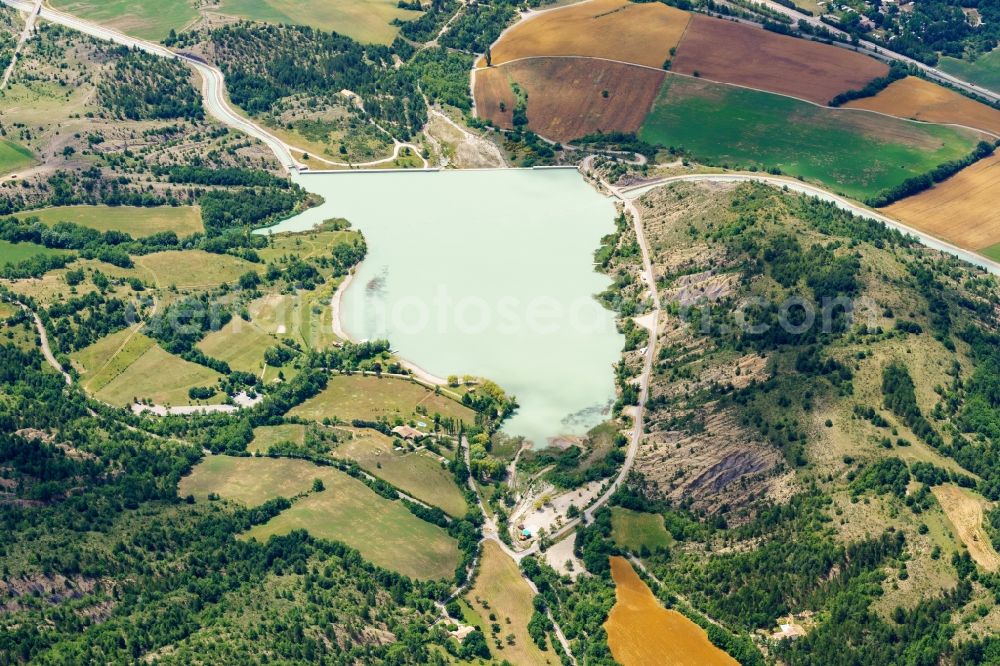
(834, 109)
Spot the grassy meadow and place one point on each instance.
(634, 530)
(364, 20)
(384, 531)
(193, 269)
(159, 376)
(239, 343)
(985, 71)
(13, 253)
(137, 222)
(265, 437)
(249, 481)
(370, 398)
(856, 154)
(146, 19)
(416, 473)
(107, 358)
(14, 156)
(501, 591)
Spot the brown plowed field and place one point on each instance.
(916, 98)
(565, 95)
(613, 29)
(734, 53)
(961, 210)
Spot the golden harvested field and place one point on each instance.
(961, 210)
(748, 56)
(566, 96)
(641, 631)
(500, 590)
(916, 98)
(965, 510)
(612, 29)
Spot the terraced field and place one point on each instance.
(612, 29)
(769, 61)
(568, 98)
(855, 154)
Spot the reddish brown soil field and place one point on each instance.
(566, 95)
(612, 29)
(729, 52)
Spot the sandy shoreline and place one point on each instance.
(336, 305)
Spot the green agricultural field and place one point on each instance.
(857, 154)
(364, 20)
(137, 222)
(384, 531)
(365, 397)
(160, 377)
(193, 269)
(992, 252)
(265, 437)
(13, 253)
(416, 473)
(635, 529)
(985, 71)
(107, 358)
(249, 481)
(240, 344)
(14, 156)
(146, 19)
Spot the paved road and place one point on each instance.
(839, 201)
(881, 52)
(29, 28)
(213, 85)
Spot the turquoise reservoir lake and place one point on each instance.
(485, 273)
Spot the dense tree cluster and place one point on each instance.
(264, 64)
(143, 86)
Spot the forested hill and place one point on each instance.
(821, 429)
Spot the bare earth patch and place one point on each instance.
(612, 29)
(568, 98)
(735, 53)
(965, 510)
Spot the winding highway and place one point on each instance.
(213, 85)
